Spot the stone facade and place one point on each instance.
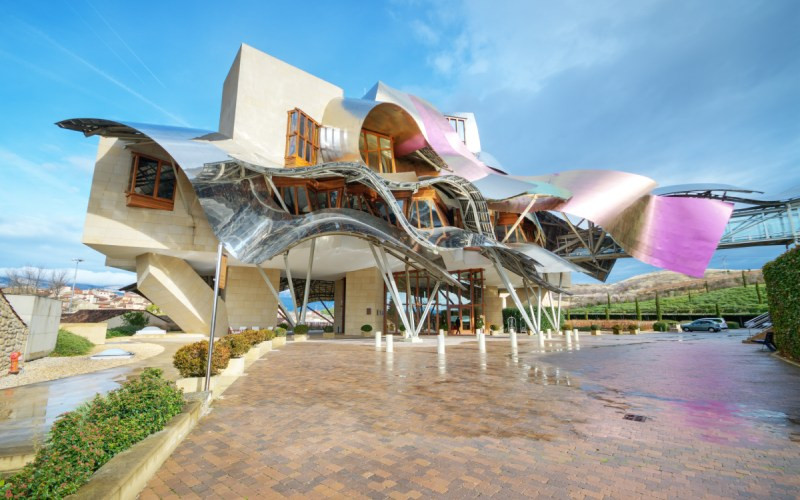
(363, 300)
(13, 333)
(248, 300)
(493, 305)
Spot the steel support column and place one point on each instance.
(291, 285)
(276, 295)
(308, 282)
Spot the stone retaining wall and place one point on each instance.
(13, 334)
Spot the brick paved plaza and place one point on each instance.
(337, 419)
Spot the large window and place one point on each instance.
(302, 139)
(458, 126)
(152, 183)
(425, 213)
(377, 151)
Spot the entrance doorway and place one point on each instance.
(452, 307)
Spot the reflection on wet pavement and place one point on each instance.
(338, 419)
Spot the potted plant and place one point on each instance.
(617, 329)
(300, 333)
(280, 337)
(478, 324)
(327, 332)
(595, 329)
(633, 329)
(366, 330)
(493, 329)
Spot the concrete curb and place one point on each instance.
(125, 475)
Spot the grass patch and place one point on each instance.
(121, 331)
(69, 344)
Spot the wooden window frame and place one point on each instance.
(433, 202)
(153, 201)
(457, 120)
(365, 152)
(296, 160)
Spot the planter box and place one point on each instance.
(328, 335)
(251, 356)
(264, 347)
(278, 342)
(128, 472)
(234, 369)
(299, 338)
(368, 335)
(596, 332)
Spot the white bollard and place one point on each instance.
(442, 332)
(569, 338)
(513, 337)
(549, 334)
(541, 339)
(389, 342)
(576, 335)
(440, 344)
(377, 341)
(482, 342)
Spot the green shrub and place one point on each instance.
(280, 331)
(733, 324)
(366, 328)
(594, 327)
(237, 344)
(135, 319)
(494, 328)
(69, 344)
(301, 329)
(268, 334)
(782, 279)
(81, 441)
(632, 327)
(284, 325)
(254, 337)
(617, 329)
(661, 326)
(190, 360)
(402, 328)
(121, 331)
(567, 326)
(327, 329)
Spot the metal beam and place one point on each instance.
(431, 299)
(291, 285)
(308, 281)
(511, 290)
(386, 272)
(519, 219)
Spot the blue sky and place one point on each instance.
(681, 91)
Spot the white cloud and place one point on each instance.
(41, 226)
(423, 32)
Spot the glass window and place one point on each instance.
(152, 183)
(302, 139)
(459, 126)
(377, 151)
(288, 199)
(303, 205)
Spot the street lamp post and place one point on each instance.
(74, 279)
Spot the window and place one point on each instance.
(424, 214)
(302, 139)
(296, 199)
(152, 183)
(458, 126)
(377, 151)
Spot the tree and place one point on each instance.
(744, 279)
(716, 309)
(608, 300)
(706, 286)
(135, 319)
(608, 314)
(57, 280)
(658, 308)
(690, 295)
(758, 293)
(586, 314)
(638, 311)
(569, 318)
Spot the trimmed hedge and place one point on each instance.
(301, 329)
(327, 329)
(366, 328)
(191, 359)
(782, 278)
(514, 312)
(81, 441)
(237, 343)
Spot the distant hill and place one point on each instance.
(667, 283)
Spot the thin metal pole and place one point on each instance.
(213, 318)
(291, 285)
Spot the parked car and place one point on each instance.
(721, 321)
(702, 325)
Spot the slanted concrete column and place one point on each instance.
(493, 307)
(180, 292)
(364, 300)
(249, 301)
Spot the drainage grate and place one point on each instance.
(635, 418)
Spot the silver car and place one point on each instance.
(721, 321)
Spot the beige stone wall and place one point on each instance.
(257, 95)
(93, 332)
(494, 307)
(13, 334)
(338, 305)
(364, 290)
(182, 294)
(123, 232)
(247, 298)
